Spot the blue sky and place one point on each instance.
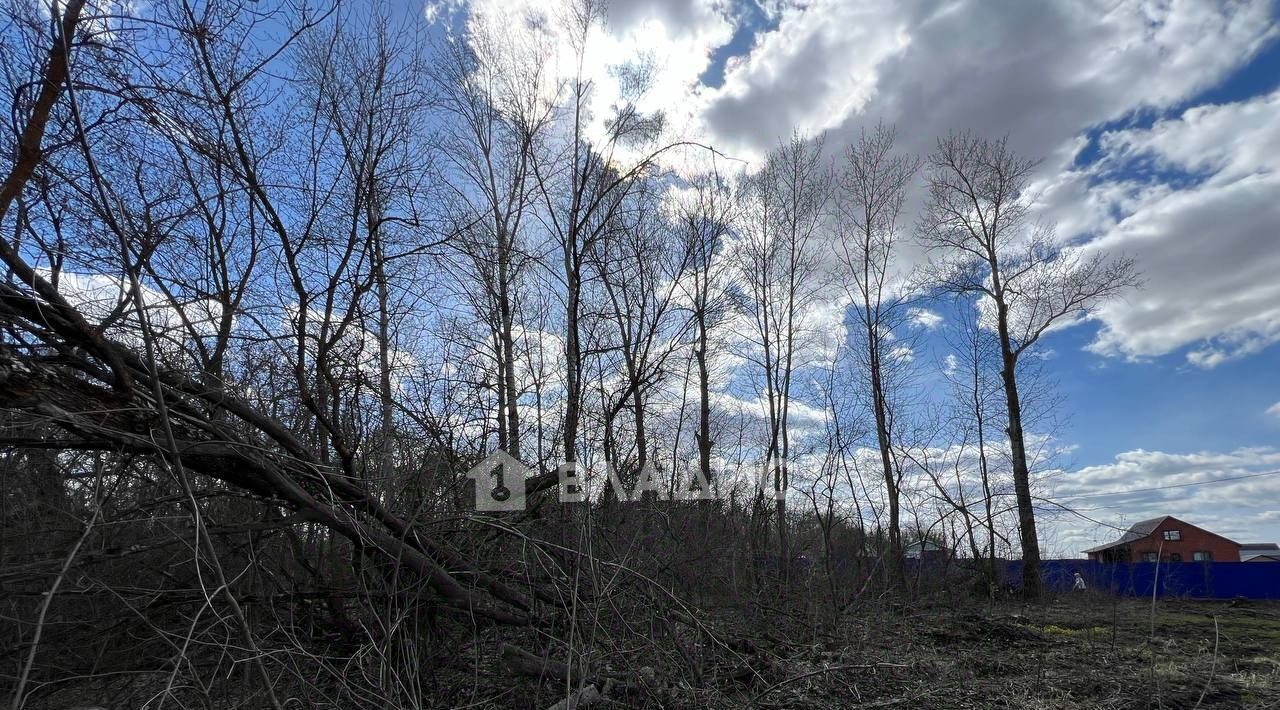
(1158, 127)
(1111, 404)
(1163, 402)
(751, 20)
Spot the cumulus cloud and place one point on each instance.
(1232, 140)
(903, 353)
(924, 318)
(1232, 493)
(1042, 72)
(1047, 75)
(818, 66)
(1274, 410)
(105, 300)
(950, 364)
(663, 45)
(1208, 263)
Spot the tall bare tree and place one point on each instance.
(972, 370)
(704, 217)
(779, 222)
(637, 266)
(987, 242)
(582, 185)
(492, 91)
(873, 187)
(368, 77)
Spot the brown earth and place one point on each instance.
(1087, 651)
(1075, 652)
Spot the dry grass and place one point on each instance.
(1072, 652)
(1091, 652)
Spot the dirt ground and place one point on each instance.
(1076, 652)
(1088, 651)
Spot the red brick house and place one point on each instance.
(1169, 540)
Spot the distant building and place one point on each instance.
(1167, 539)
(1260, 552)
(924, 549)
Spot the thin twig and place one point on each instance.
(857, 666)
(1213, 665)
(48, 599)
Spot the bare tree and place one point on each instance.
(843, 424)
(582, 186)
(368, 79)
(637, 267)
(980, 224)
(970, 369)
(228, 431)
(873, 186)
(779, 222)
(492, 90)
(704, 216)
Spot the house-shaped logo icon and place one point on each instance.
(499, 481)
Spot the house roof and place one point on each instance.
(1146, 527)
(1138, 531)
(1266, 551)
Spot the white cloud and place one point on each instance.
(903, 353)
(1205, 250)
(1274, 410)
(1186, 486)
(924, 318)
(1042, 72)
(104, 300)
(673, 40)
(817, 67)
(950, 364)
(1232, 141)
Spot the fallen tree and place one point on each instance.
(62, 372)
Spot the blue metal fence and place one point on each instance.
(1191, 580)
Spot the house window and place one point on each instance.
(1175, 557)
(1150, 557)
(1173, 535)
(1202, 556)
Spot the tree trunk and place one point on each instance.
(897, 566)
(506, 321)
(1032, 587)
(385, 398)
(572, 356)
(704, 400)
(979, 414)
